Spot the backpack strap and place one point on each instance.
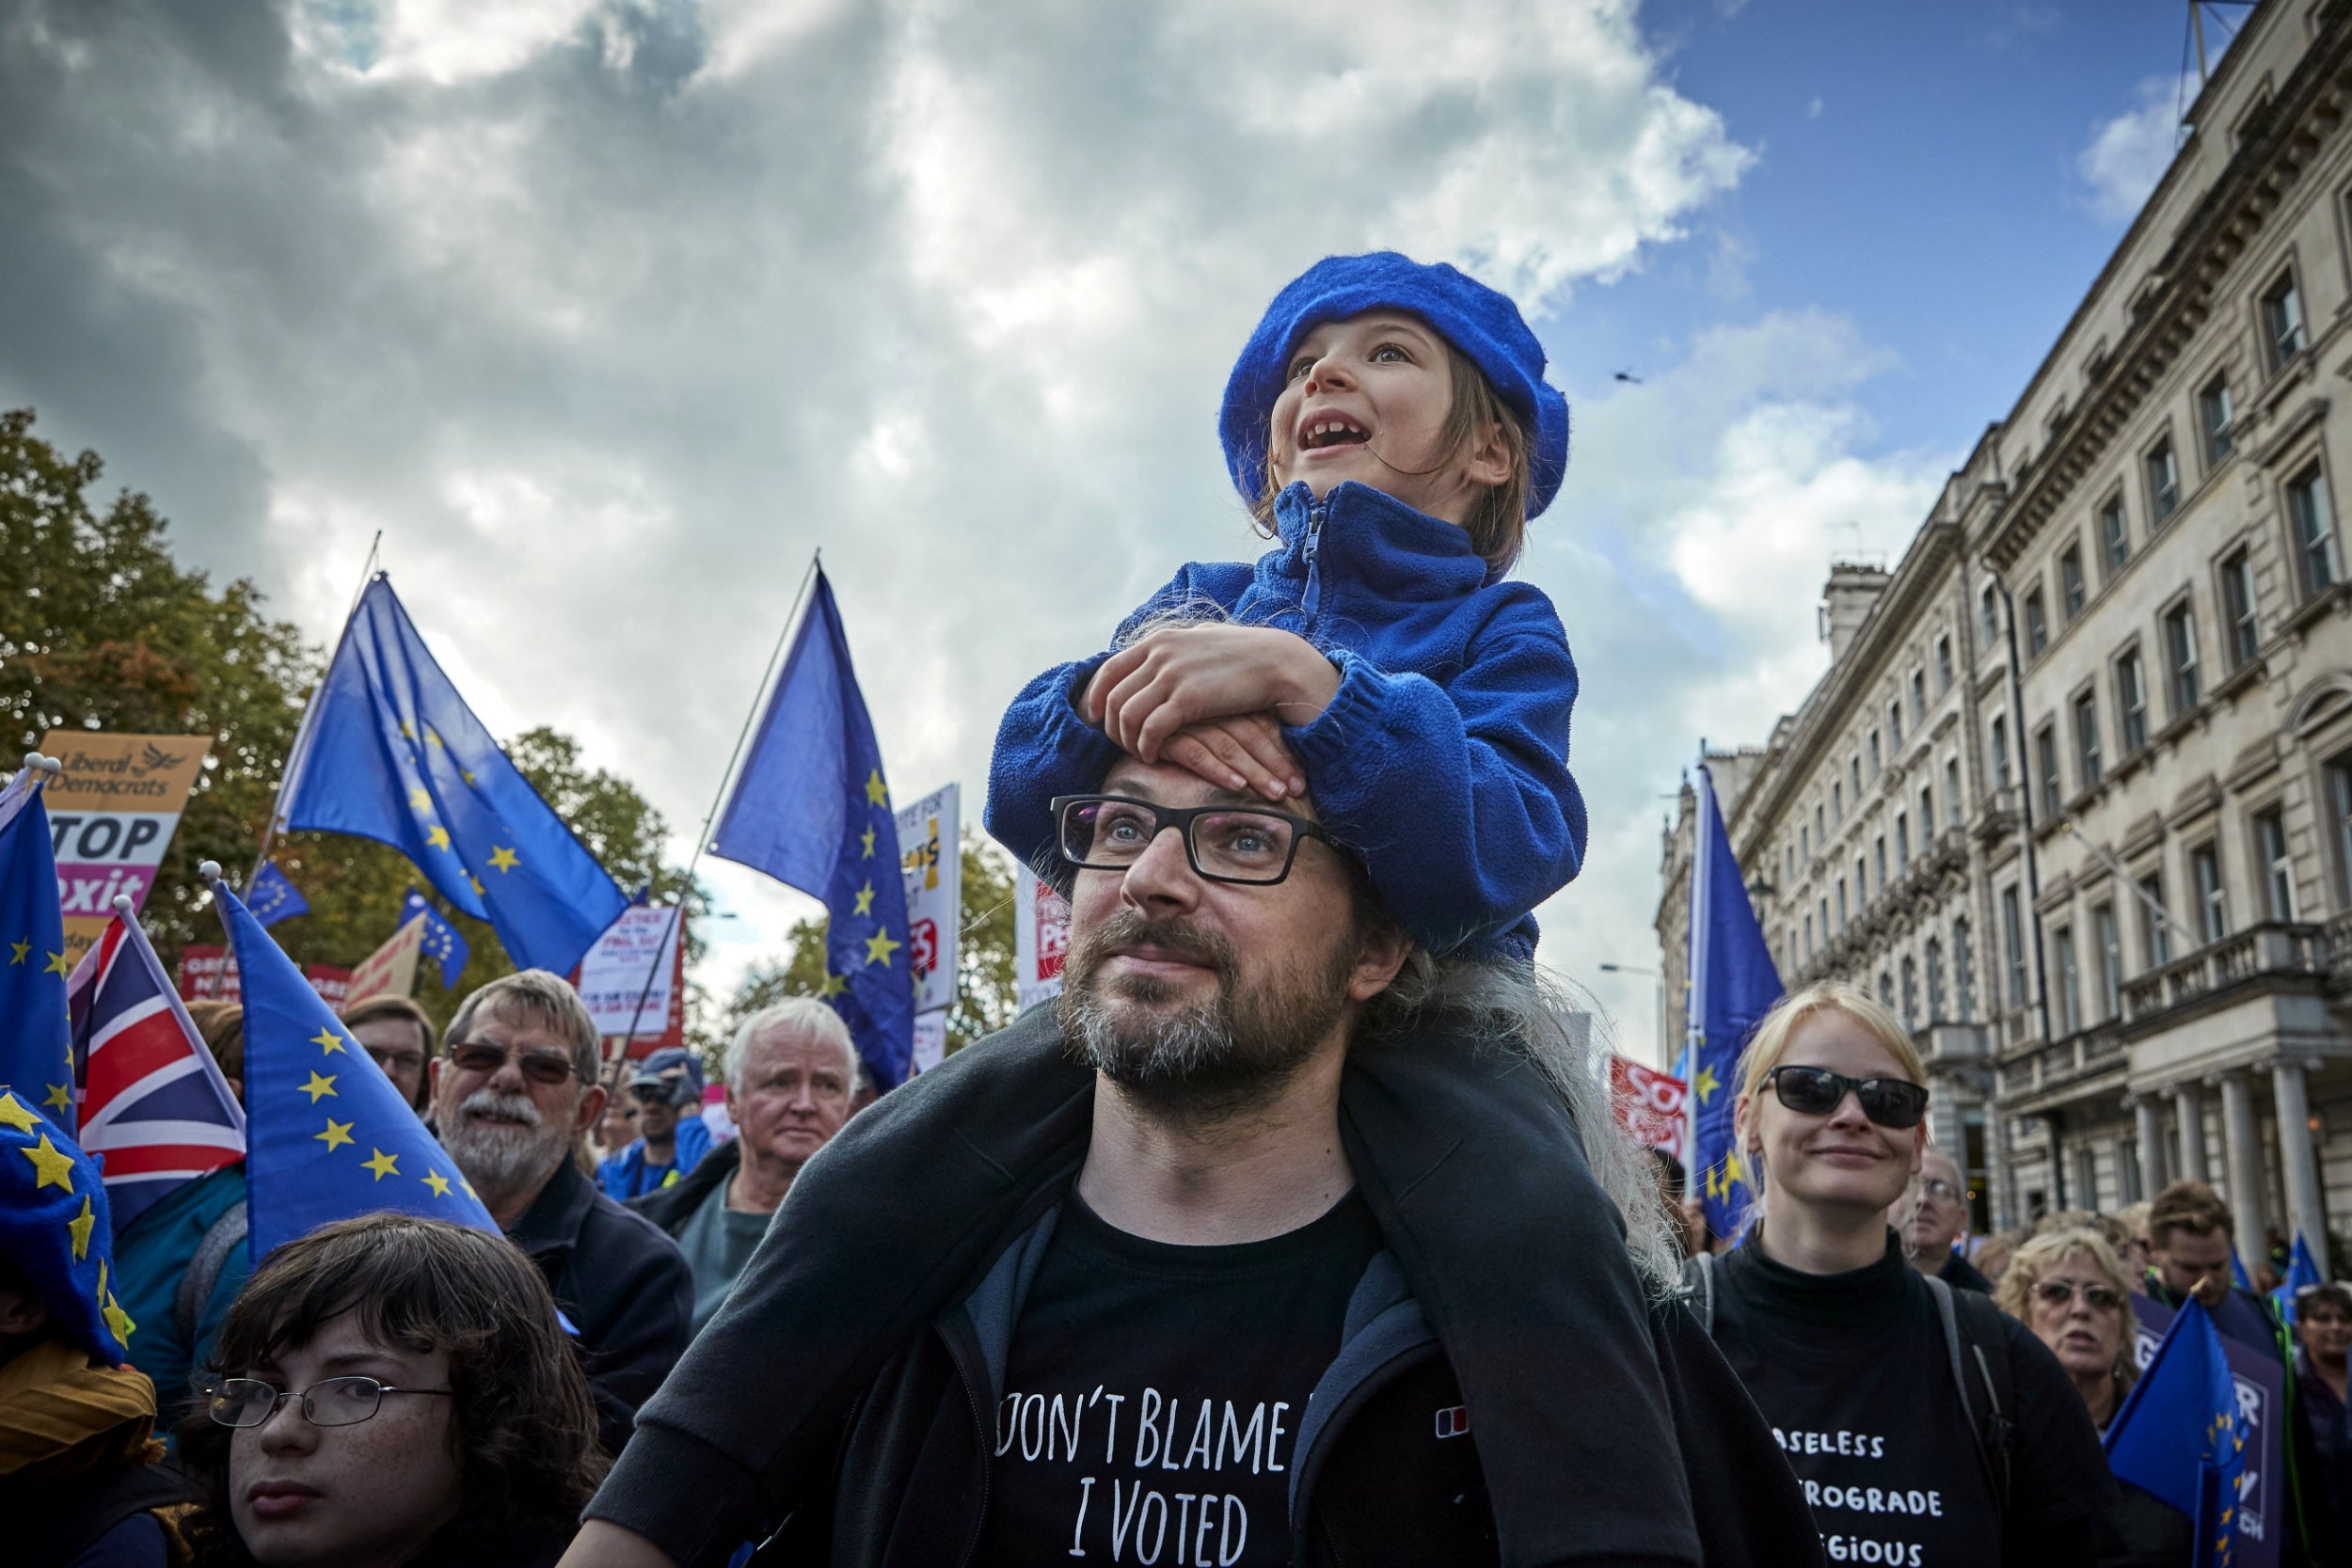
(195, 1285)
(1698, 1289)
(1973, 1342)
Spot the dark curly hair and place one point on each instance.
(524, 1427)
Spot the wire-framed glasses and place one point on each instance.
(335, 1401)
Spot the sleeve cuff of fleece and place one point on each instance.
(1343, 766)
(686, 1497)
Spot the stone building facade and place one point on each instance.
(2075, 795)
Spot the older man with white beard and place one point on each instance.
(513, 1095)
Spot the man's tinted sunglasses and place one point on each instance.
(1816, 1091)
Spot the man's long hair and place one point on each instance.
(1496, 1004)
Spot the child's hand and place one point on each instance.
(1244, 750)
(1142, 696)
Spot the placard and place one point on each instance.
(928, 839)
(112, 812)
(391, 969)
(1041, 940)
(2262, 1521)
(209, 974)
(614, 975)
(1648, 1103)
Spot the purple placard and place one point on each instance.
(2262, 1514)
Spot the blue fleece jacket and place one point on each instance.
(625, 1175)
(1442, 761)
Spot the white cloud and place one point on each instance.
(2128, 155)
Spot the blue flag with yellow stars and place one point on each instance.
(274, 897)
(326, 1136)
(440, 941)
(54, 1227)
(1733, 983)
(390, 752)
(36, 1036)
(2178, 1436)
(811, 810)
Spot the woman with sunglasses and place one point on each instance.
(392, 1392)
(1843, 1344)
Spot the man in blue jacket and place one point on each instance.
(672, 1136)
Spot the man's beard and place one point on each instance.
(1201, 1061)
(503, 1161)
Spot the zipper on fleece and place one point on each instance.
(1316, 514)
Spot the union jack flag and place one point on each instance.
(155, 1109)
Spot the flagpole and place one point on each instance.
(702, 839)
(309, 711)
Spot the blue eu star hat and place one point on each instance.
(1478, 320)
(54, 1225)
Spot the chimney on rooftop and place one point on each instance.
(1852, 593)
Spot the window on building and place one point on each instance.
(2000, 750)
(2037, 625)
(1903, 842)
(2278, 869)
(2340, 818)
(2109, 936)
(1808, 938)
(1878, 855)
(1804, 841)
(2180, 657)
(2314, 524)
(1911, 993)
(2156, 930)
(1963, 974)
(2013, 945)
(1825, 921)
(1875, 763)
(2115, 534)
(1853, 776)
(1861, 884)
(1788, 863)
(2071, 580)
(2213, 417)
(1894, 726)
(2086, 738)
(1819, 835)
(2238, 628)
(2070, 980)
(1918, 697)
(2046, 758)
(2164, 482)
(1951, 797)
(2131, 702)
(2282, 320)
(1836, 801)
(1886, 990)
(1989, 615)
(1943, 664)
(2213, 899)
(1932, 956)
(1842, 903)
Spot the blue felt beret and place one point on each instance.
(1484, 325)
(54, 1224)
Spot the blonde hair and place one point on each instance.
(1779, 1027)
(2048, 1250)
(1497, 522)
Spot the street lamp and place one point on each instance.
(1664, 1057)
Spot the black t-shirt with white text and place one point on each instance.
(1854, 1374)
(1154, 1393)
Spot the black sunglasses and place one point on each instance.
(1816, 1091)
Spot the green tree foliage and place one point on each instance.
(100, 629)
(985, 992)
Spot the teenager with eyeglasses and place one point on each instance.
(392, 1392)
(1927, 1426)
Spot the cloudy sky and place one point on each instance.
(610, 312)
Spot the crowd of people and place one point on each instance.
(1297, 1231)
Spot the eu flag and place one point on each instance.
(1732, 985)
(273, 897)
(440, 941)
(2178, 1436)
(811, 810)
(326, 1135)
(36, 1036)
(390, 752)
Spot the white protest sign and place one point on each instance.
(612, 977)
(1041, 940)
(928, 853)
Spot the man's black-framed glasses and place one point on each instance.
(1223, 844)
(1814, 1091)
(335, 1401)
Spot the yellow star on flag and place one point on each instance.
(864, 900)
(320, 1084)
(466, 774)
(437, 836)
(407, 730)
(874, 790)
(383, 1164)
(59, 1098)
(439, 1182)
(835, 985)
(328, 1040)
(432, 736)
(79, 1229)
(477, 883)
(14, 1114)
(1734, 1173)
(1706, 1084)
(466, 1187)
(17, 951)
(50, 1168)
(421, 798)
(119, 1321)
(879, 947)
(868, 842)
(503, 859)
(57, 965)
(337, 1134)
